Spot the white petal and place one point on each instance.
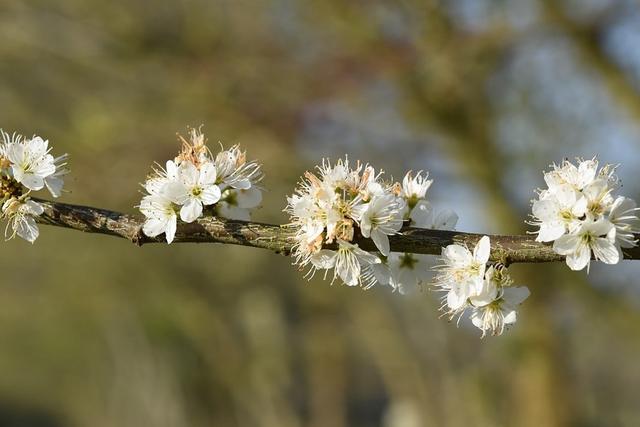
(207, 174)
(242, 184)
(580, 207)
(516, 295)
(566, 244)
(422, 215)
(15, 153)
(26, 228)
(456, 255)
(482, 250)
(171, 169)
(486, 295)
(446, 220)
(188, 174)
(249, 198)
(154, 227)
(348, 273)
(324, 259)
(172, 225)
(476, 319)
(54, 184)
(456, 299)
(365, 226)
(31, 181)
(600, 227)
(176, 192)
(579, 259)
(383, 274)
(550, 231)
(565, 196)
(210, 195)
(587, 172)
(225, 210)
(605, 251)
(191, 210)
(510, 316)
(365, 256)
(381, 240)
(545, 210)
(33, 208)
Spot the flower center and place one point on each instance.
(566, 215)
(587, 238)
(196, 191)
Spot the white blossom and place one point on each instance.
(339, 203)
(461, 273)
(558, 212)
(194, 188)
(494, 316)
(592, 236)
(21, 214)
(414, 188)
(348, 263)
(196, 180)
(487, 291)
(30, 163)
(161, 216)
(580, 212)
(380, 218)
(27, 165)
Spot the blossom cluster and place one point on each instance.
(26, 165)
(344, 201)
(471, 284)
(197, 182)
(581, 214)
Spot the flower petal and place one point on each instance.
(566, 244)
(207, 174)
(191, 210)
(249, 198)
(154, 227)
(456, 255)
(210, 195)
(516, 295)
(580, 259)
(605, 251)
(172, 225)
(324, 259)
(550, 231)
(54, 185)
(26, 227)
(225, 210)
(482, 250)
(188, 174)
(381, 240)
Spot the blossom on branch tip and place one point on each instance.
(196, 183)
(27, 165)
(580, 213)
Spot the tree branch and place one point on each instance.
(506, 249)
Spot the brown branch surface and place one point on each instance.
(506, 249)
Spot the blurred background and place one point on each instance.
(484, 94)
